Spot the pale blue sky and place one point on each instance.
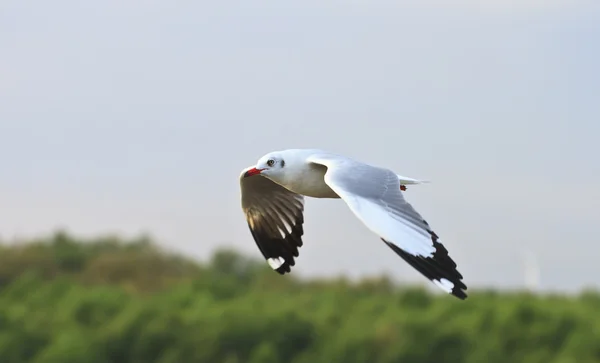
(129, 116)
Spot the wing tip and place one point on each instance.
(451, 288)
(281, 265)
(279, 252)
(439, 269)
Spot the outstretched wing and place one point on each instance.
(275, 218)
(373, 194)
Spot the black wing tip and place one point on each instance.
(439, 269)
(461, 294)
(458, 289)
(284, 269)
(280, 252)
(280, 264)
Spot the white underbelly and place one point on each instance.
(313, 190)
(311, 185)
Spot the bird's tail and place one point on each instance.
(406, 180)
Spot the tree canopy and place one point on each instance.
(107, 300)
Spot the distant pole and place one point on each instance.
(532, 271)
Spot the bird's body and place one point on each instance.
(273, 200)
(308, 180)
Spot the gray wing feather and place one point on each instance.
(374, 196)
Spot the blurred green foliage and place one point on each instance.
(65, 300)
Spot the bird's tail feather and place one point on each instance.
(407, 181)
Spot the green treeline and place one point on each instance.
(64, 300)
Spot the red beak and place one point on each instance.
(251, 172)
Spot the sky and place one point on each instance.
(134, 117)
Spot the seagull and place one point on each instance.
(272, 198)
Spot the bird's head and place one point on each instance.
(270, 165)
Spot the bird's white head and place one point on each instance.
(272, 165)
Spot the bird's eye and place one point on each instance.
(270, 162)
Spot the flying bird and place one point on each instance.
(273, 194)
